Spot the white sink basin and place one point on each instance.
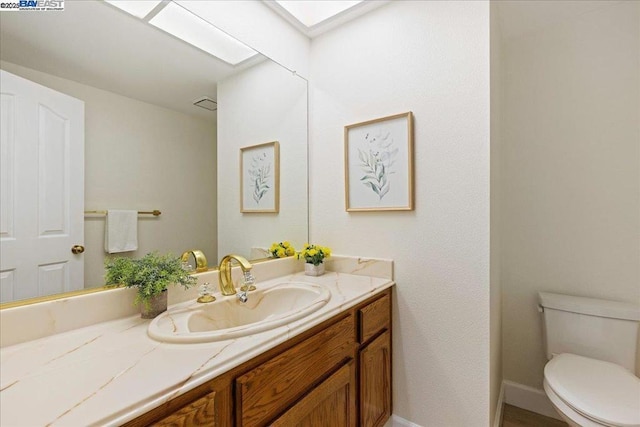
(229, 318)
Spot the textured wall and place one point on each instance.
(431, 58)
(571, 172)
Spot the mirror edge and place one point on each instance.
(48, 298)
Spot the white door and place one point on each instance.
(41, 190)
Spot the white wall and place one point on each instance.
(262, 104)
(431, 58)
(141, 156)
(495, 336)
(570, 172)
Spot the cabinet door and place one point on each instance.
(200, 412)
(375, 382)
(331, 403)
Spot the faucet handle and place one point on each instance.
(242, 296)
(248, 281)
(205, 293)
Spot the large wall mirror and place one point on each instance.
(146, 145)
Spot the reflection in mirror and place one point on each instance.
(262, 104)
(146, 145)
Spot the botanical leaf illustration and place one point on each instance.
(376, 161)
(259, 174)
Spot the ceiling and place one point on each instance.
(518, 18)
(97, 44)
(94, 43)
(315, 17)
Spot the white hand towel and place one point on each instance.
(121, 231)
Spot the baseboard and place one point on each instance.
(529, 398)
(497, 421)
(396, 421)
(522, 396)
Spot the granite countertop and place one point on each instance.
(112, 372)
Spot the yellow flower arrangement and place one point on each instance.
(314, 254)
(282, 249)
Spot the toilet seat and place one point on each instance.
(569, 415)
(600, 391)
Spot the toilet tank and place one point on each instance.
(600, 329)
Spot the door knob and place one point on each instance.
(77, 249)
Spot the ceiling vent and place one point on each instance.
(206, 103)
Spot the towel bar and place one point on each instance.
(154, 212)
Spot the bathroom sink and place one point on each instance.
(229, 318)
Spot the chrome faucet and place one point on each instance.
(225, 282)
(201, 260)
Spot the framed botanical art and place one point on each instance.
(379, 164)
(260, 178)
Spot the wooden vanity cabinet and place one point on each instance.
(336, 374)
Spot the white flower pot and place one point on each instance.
(314, 270)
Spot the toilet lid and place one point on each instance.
(602, 391)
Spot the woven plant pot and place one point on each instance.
(156, 305)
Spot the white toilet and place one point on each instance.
(591, 346)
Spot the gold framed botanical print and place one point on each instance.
(379, 164)
(260, 178)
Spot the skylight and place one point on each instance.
(194, 30)
(187, 26)
(313, 12)
(138, 8)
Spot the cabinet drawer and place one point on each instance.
(374, 317)
(198, 413)
(273, 386)
(331, 403)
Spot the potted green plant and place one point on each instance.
(150, 275)
(314, 256)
